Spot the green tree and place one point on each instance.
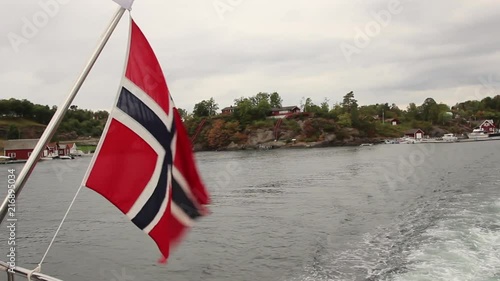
(444, 117)
(252, 108)
(345, 120)
(243, 110)
(308, 105)
(412, 112)
(101, 115)
(205, 108)
(348, 102)
(42, 114)
(325, 107)
(355, 116)
(13, 108)
(350, 107)
(260, 98)
(263, 107)
(275, 100)
(13, 132)
(395, 109)
(183, 113)
(26, 109)
(429, 109)
(336, 109)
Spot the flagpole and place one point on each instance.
(58, 116)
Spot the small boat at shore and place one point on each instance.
(449, 138)
(66, 157)
(481, 135)
(491, 138)
(478, 134)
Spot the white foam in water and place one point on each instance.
(452, 238)
(463, 247)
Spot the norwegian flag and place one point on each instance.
(144, 162)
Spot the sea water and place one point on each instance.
(385, 212)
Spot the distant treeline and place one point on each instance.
(250, 112)
(349, 113)
(81, 122)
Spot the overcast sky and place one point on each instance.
(447, 49)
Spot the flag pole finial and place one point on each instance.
(126, 4)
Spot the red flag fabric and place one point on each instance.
(144, 163)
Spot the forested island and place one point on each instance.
(249, 122)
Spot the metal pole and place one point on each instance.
(58, 116)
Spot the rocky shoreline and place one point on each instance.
(283, 145)
(264, 140)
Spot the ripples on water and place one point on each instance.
(448, 233)
(291, 215)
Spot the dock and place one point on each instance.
(479, 139)
(13, 161)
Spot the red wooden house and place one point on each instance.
(488, 126)
(63, 149)
(22, 149)
(415, 134)
(51, 150)
(19, 149)
(228, 110)
(393, 121)
(73, 149)
(284, 111)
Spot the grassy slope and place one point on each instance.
(86, 148)
(18, 122)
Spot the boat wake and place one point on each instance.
(453, 238)
(464, 246)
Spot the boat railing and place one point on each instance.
(23, 272)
